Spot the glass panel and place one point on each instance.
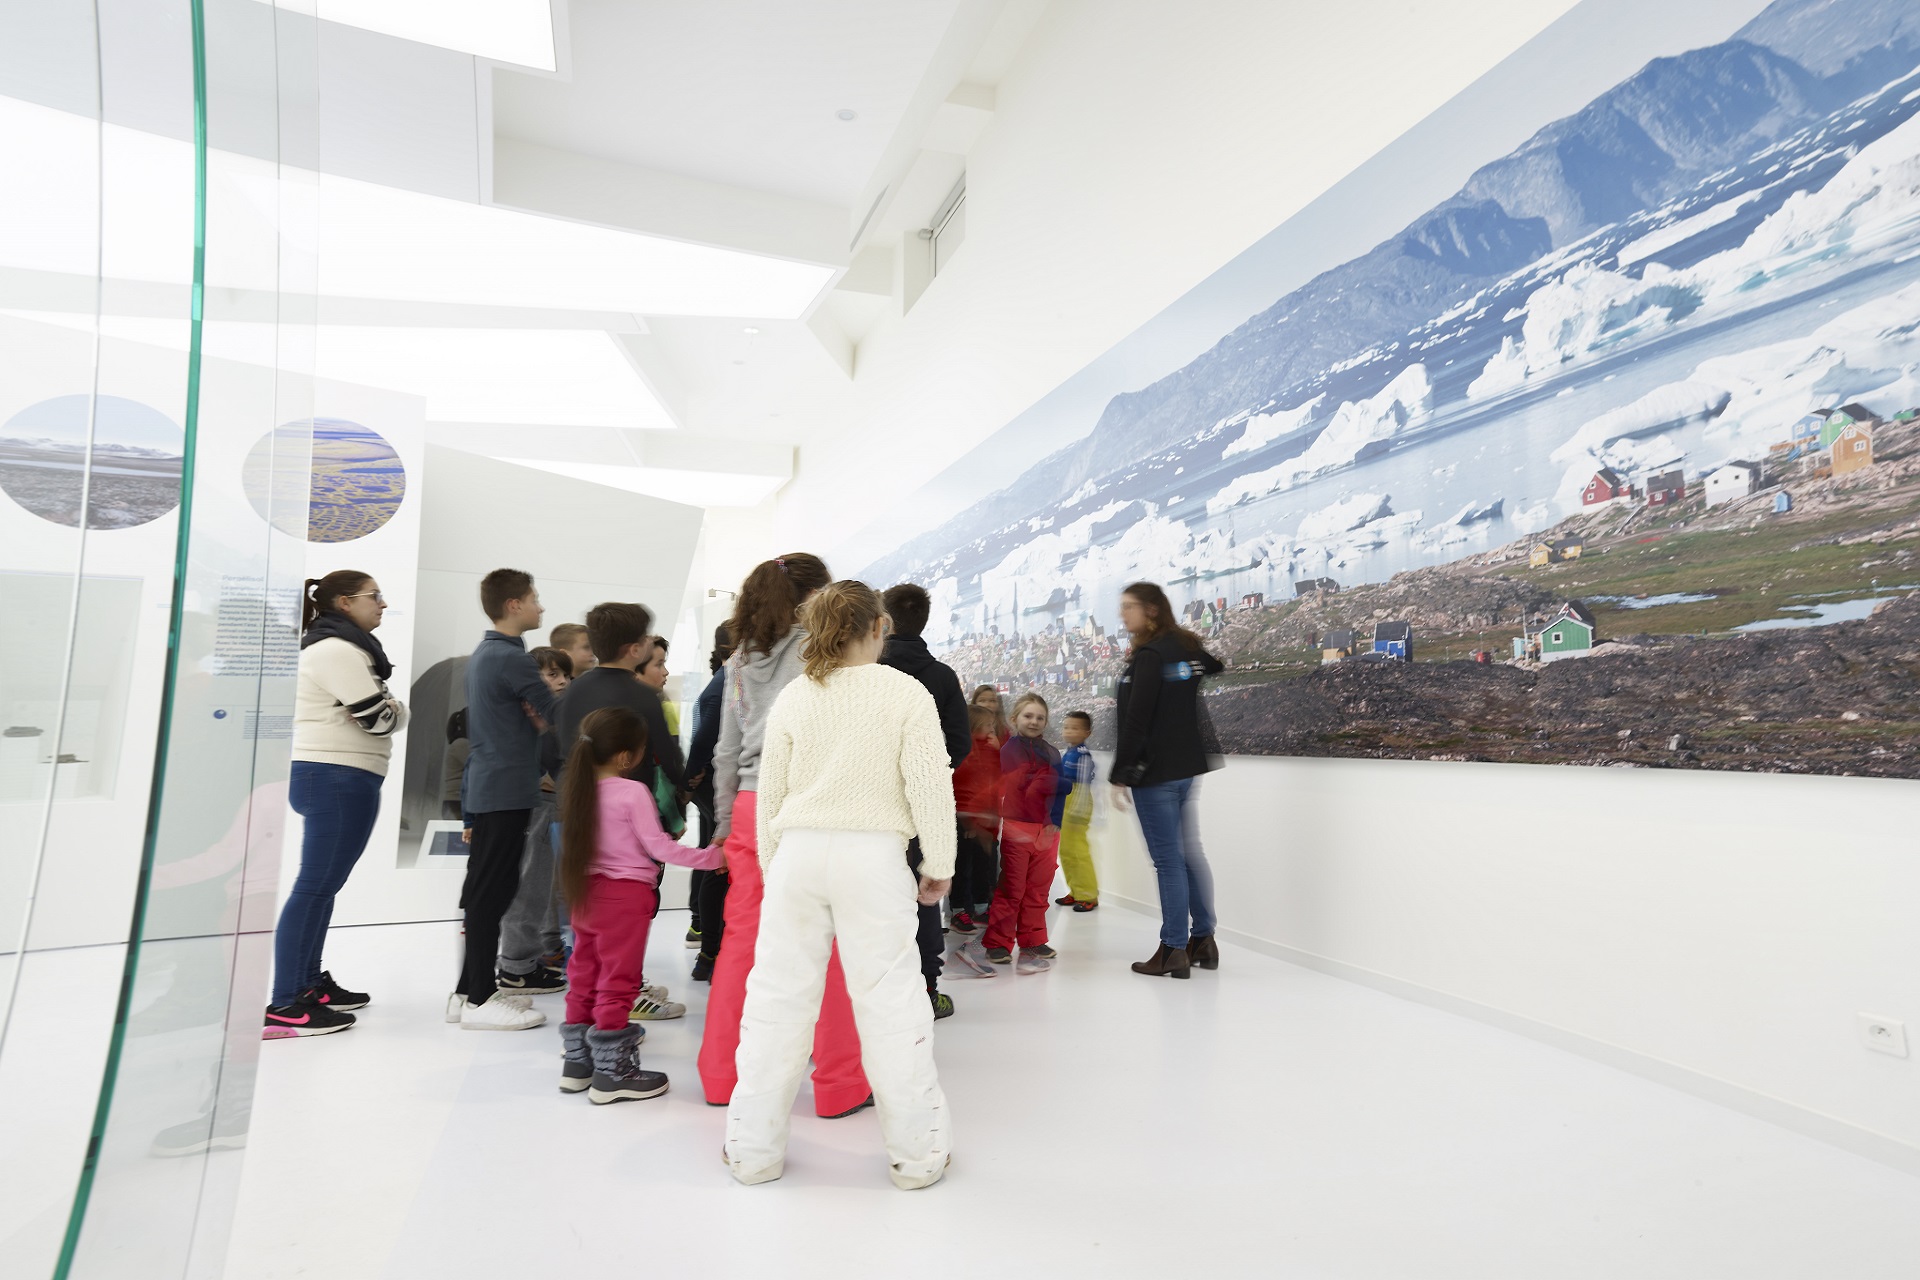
(177, 1103)
(145, 709)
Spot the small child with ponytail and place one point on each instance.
(611, 851)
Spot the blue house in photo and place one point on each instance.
(1395, 639)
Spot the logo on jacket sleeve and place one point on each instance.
(1177, 671)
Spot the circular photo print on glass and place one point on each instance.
(349, 484)
(135, 477)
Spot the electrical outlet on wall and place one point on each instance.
(1883, 1034)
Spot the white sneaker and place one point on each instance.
(456, 1004)
(501, 1013)
(655, 991)
(648, 1009)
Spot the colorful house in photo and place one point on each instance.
(1605, 486)
(1847, 415)
(1734, 480)
(1395, 639)
(1852, 448)
(1666, 488)
(1806, 431)
(1782, 503)
(1336, 646)
(1568, 634)
(1546, 553)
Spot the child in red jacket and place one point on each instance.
(976, 794)
(1029, 841)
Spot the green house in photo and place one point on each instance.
(1570, 633)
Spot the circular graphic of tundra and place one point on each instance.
(135, 473)
(350, 483)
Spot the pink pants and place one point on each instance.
(838, 1082)
(1028, 859)
(609, 950)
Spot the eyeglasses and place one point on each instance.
(361, 595)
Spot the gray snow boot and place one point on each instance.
(617, 1075)
(576, 1064)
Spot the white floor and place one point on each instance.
(1259, 1121)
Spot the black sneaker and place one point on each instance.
(303, 1017)
(541, 982)
(703, 968)
(999, 955)
(852, 1110)
(942, 1004)
(337, 997)
(693, 939)
(963, 922)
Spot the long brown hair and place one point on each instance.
(1160, 613)
(322, 595)
(1001, 726)
(770, 600)
(604, 734)
(835, 616)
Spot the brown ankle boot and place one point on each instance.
(1204, 951)
(1167, 962)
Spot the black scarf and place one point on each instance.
(333, 625)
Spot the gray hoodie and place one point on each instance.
(753, 682)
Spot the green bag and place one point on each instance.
(673, 811)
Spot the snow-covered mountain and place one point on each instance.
(1664, 195)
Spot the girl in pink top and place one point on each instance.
(611, 851)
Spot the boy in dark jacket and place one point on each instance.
(908, 606)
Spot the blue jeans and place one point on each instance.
(1169, 820)
(339, 803)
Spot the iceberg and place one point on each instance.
(1342, 516)
(1264, 428)
(1358, 429)
(1674, 405)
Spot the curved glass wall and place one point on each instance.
(159, 208)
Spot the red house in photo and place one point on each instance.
(1605, 486)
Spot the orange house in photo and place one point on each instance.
(1853, 448)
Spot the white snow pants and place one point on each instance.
(854, 886)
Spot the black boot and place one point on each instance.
(1204, 951)
(1167, 962)
(576, 1061)
(617, 1074)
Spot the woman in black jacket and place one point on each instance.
(1161, 755)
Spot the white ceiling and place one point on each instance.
(545, 257)
(739, 92)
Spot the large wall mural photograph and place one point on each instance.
(1610, 457)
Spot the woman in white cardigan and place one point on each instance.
(854, 765)
(344, 720)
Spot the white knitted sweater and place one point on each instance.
(860, 751)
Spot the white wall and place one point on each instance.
(1717, 932)
(583, 543)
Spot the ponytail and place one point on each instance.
(835, 616)
(322, 595)
(603, 735)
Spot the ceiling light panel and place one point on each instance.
(381, 242)
(514, 31)
(695, 488)
(373, 241)
(530, 377)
